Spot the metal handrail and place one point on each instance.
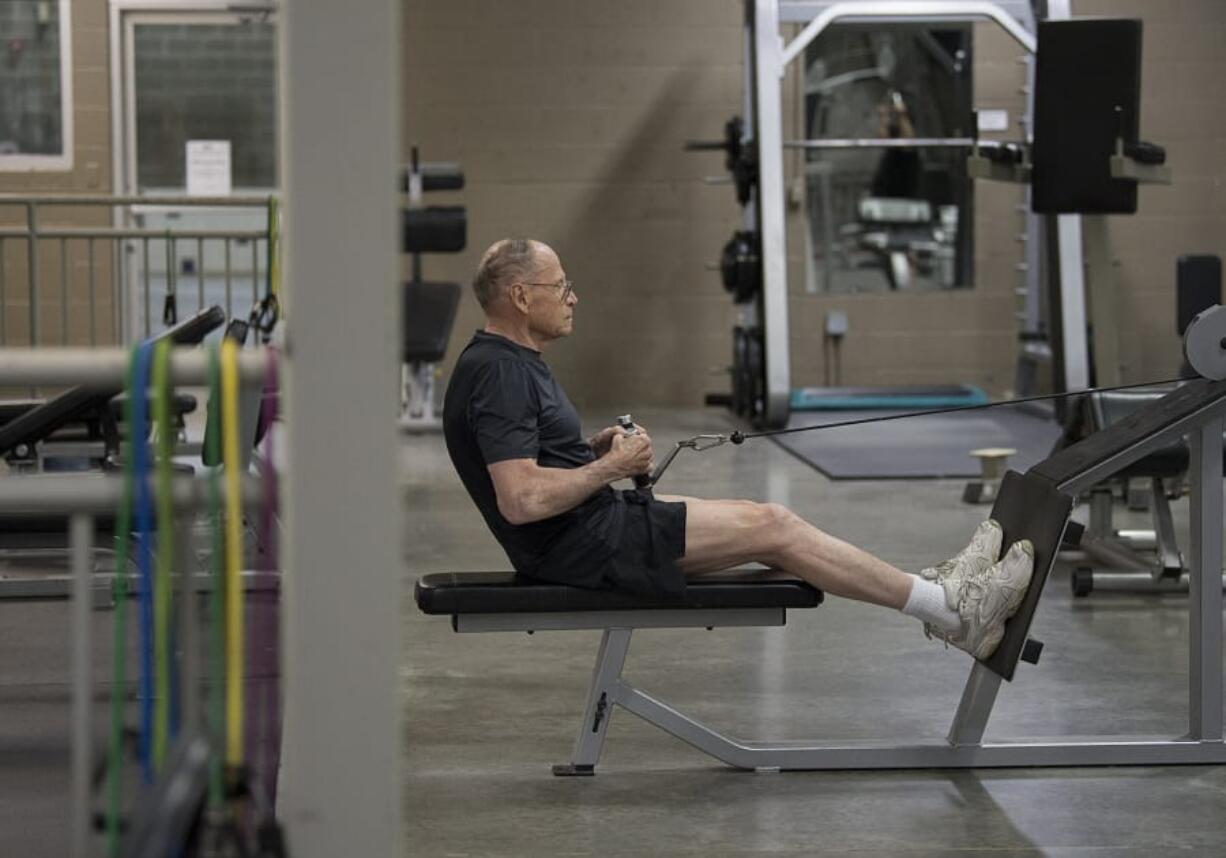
(109, 366)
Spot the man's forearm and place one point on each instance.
(553, 491)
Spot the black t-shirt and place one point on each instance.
(503, 403)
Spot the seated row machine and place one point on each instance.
(1034, 506)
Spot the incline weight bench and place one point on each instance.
(1033, 506)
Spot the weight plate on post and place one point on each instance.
(1204, 343)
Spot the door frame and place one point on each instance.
(123, 16)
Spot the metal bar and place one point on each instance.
(630, 619)
(1205, 596)
(63, 291)
(229, 284)
(610, 659)
(117, 232)
(1140, 582)
(975, 707)
(200, 273)
(172, 266)
(944, 10)
(119, 289)
(98, 493)
(255, 273)
(131, 200)
(771, 213)
(81, 529)
(32, 268)
(189, 642)
(882, 143)
(1166, 545)
(145, 270)
(800, 756)
(1112, 465)
(3, 296)
(108, 367)
(93, 298)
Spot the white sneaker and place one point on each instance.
(979, 555)
(988, 600)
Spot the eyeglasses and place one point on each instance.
(567, 287)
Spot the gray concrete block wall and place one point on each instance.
(90, 173)
(569, 119)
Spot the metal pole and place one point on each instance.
(255, 272)
(63, 291)
(93, 299)
(200, 273)
(81, 539)
(768, 71)
(32, 268)
(229, 284)
(882, 143)
(341, 789)
(3, 298)
(1205, 595)
(148, 307)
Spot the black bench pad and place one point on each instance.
(508, 593)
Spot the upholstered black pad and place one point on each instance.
(1028, 507)
(1116, 440)
(506, 593)
(38, 423)
(1109, 407)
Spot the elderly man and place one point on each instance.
(545, 492)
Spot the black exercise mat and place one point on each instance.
(918, 447)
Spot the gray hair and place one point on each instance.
(506, 261)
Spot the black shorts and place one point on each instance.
(632, 545)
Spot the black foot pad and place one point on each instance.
(570, 770)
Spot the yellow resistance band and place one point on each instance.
(234, 545)
(165, 536)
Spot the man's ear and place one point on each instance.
(518, 297)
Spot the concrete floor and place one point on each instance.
(488, 714)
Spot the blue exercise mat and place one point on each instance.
(928, 447)
(863, 398)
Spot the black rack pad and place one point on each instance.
(506, 593)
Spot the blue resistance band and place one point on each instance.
(139, 451)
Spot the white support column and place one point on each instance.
(340, 74)
(1205, 592)
(768, 72)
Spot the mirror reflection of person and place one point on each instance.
(898, 171)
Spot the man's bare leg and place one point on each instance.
(721, 534)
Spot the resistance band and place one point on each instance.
(119, 641)
(162, 646)
(267, 649)
(217, 641)
(139, 451)
(233, 553)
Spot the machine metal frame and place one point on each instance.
(964, 747)
(770, 59)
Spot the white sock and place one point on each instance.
(927, 604)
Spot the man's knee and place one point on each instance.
(776, 525)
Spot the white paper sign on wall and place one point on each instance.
(993, 120)
(208, 168)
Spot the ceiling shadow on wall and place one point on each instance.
(647, 221)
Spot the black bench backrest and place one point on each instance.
(429, 314)
(78, 402)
